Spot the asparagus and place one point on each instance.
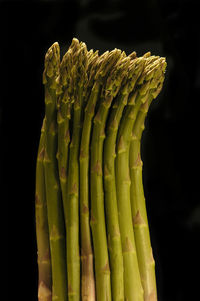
(42, 228)
(94, 86)
(89, 98)
(78, 80)
(98, 73)
(133, 288)
(110, 89)
(113, 232)
(97, 76)
(53, 192)
(140, 222)
(109, 179)
(64, 91)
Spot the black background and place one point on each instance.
(170, 150)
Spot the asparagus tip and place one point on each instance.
(52, 62)
(133, 55)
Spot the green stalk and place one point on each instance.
(97, 76)
(132, 283)
(78, 81)
(113, 231)
(102, 269)
(64, 92)
(53, 192)
(139, 214)
(87, 269)
(42, 228)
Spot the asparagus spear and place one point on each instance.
(42, 228)
(98, 69)
(96, 76)
(53, 192)
(133, 288)
(115, 250)
(64, 90)
(140, 222)
(78, 80)
(102, 269)
(87, 269)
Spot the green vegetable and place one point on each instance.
(92, 229)
(140, 222)
(52, 184)
(102, 268)
(78, 79)
(133, 287)
(42, 227)
(113, 231)
(95, 81)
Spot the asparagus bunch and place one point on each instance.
(91, 221)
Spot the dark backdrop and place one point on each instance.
(170, 151)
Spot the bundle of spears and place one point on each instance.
(91, 223)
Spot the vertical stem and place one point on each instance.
(140, 222)
(64, 103)
(113, 231)
(133, 287)
(112, 221)
(52, 184)
(97, 72)
(102, 268)
(132, 283)
(88, 283)
(78, 81)
(87, 261)
(42, 227)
